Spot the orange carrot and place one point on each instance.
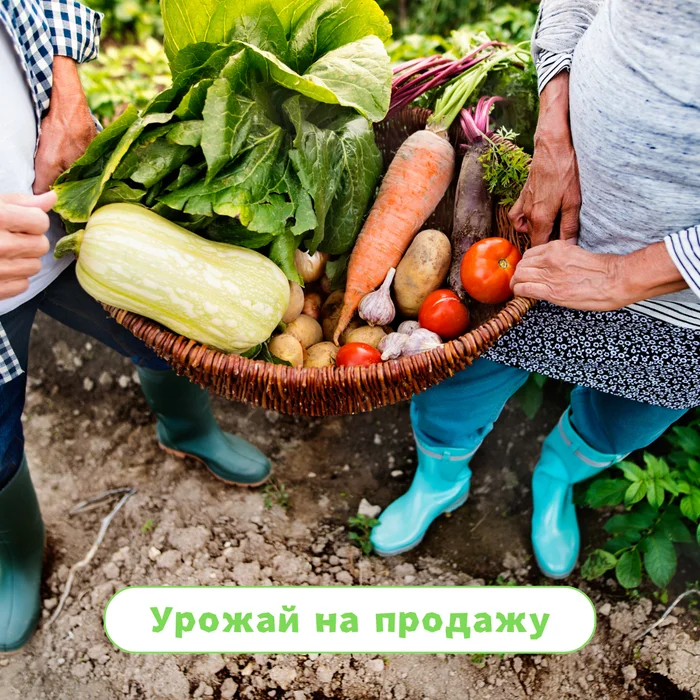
(413, 186)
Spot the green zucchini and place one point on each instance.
(228, 297)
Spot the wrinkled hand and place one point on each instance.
(564, 274)
(23, 223)
(552, 189)
(67, 129)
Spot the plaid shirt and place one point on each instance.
(40, 30)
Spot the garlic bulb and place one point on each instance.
(391, 345)
(407, 327)
(421, 340)
(310, 267)
(377, 308)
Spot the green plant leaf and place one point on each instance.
(697, 534)
(315, 156)
(356, 75)
(220, 21)
(659, 559)
(207, 62)
(629, 522)
(152, 157)
(694, 469)
(631, 471)
(674, 529)
(635, 492)
(656, 466)
(116, 191)
(282, 254)
(530, 397)
(330, 24)
(227, 119)
(186, 133)
(617, 544)
(76, 200)
(598, 562)
(360, 167)
(655, 493)
(686, 439)
(683, 487)
(227, 230)
(629, 569)
(606, 492)
(668, 483)
(690, 505)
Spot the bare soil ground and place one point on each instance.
(88, 429)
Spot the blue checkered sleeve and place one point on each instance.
(9, 364)
(75, 29)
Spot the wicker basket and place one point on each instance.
(332, 391)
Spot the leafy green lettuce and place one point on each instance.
(264, 138)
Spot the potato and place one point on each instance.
(422, 270)
(296, 303)
(356, 323)
(366, 334)
(321, 355)
(330, 312)
(312, 305)
(286, 347)
(306, 330)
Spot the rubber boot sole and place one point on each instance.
(556, 577)
(402, 550)
(186, 455)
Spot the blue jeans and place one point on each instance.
(461, 411)
(65, 301)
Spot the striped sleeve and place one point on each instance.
(560, 25)
(684, 249)
(75, 29)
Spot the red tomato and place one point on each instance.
(357, 355)
(487, 269)
(443, 313)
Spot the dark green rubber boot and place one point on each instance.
(21, 554)
(187, 428)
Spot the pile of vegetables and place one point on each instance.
(233, 208)
(264, 138)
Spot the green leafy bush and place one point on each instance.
(122, 76)
(661, 510)
(129, 20)
(512, 20)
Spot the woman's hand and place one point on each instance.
(552, 189)
(566, 275)
(67, 129)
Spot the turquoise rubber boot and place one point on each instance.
(441, 485)
(21, 554)
(186, 428)
(565, 460)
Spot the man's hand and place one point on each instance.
(23, 223)
(552, 188)
(67, 129)
(566, 275)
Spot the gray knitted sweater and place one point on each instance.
(635, 119)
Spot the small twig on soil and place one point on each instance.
(83, 505)
(477, 525)
(128, 493)
(353, 569)
(667, 613)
